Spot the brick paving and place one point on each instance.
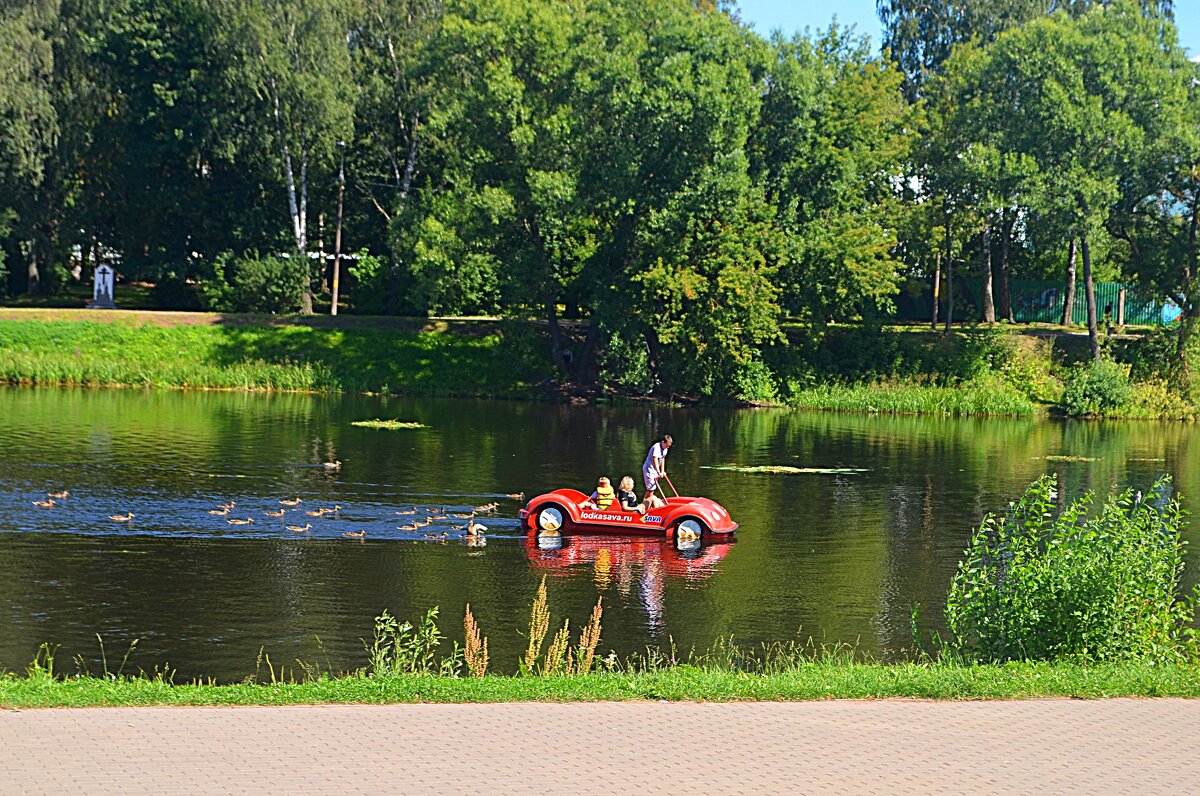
(891, 746)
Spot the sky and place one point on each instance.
(794, 15)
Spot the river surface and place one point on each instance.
(835, 557)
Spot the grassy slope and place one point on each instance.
(260, 357)
(806, 682)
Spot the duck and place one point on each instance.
(516, 496)
(464, 516)
(228, 505)
(298, 528)
(355, 534)
(406, 513)
(295, 502)
(412, 526)
(44, 503)
(487, 507)
(474, 529)
(279, 513)
(121, 517)
(246, 521)
(337, 465)
(439, 536)
(317, 513)
(58, 495)
(221, 512)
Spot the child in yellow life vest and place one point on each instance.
(603, 497)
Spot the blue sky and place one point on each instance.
(793, 15)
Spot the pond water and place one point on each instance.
(836, 557)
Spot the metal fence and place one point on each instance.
(1041, 301)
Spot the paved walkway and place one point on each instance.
(896, 746)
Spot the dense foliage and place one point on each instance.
(651, 167)
(1051, 581)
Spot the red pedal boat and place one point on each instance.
(691, 516)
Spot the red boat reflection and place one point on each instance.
(613, 557)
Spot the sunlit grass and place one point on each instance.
(903, 398)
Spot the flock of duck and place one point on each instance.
(470, 531)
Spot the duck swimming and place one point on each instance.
(44, 503)
(121, 517)
(299, 529)
(58, 495)
(355, 534)
(279, 513)
(246, 521)
(295, 502)
(221, 512)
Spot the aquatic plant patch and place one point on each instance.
(1054, 457)
(387, 424)
(781, 469)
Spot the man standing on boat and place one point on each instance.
(654, 468)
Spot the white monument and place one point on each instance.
(102, 290)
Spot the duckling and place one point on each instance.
(220, 512)
(406, 513)
(464, 516)
(58, 495)
(336, 508)
(121, 517)
(412, 526)
(355, 534)
(317, 513)
(516, 496)
(246, 521)
(44, 503)
(279, 513)
(299, 529)
(333, 465)
(295, 502)
(228, 505)
(488, 507)
(438, 536)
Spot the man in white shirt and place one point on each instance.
(654, 468)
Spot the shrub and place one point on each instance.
(253, 283)
(1097, 388)
(174, 293)
(1045, 584)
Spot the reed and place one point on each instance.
(475, 649)
(983, 398)
(589, 639)
(539, 625)
(557, 659)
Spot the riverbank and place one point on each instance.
(990, 372)
(812, 681)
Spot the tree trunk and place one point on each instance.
(1068, 312)
(985, 245)
(937, 283)
(556, 348)
(33, 284)
(583, 366)
(1090, 290)
(949, 277)
(1003, 293)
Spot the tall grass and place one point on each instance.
(987, 397)
(295, 358)
(1080, 582)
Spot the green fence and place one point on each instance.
(1040, 301)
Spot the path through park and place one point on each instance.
(891, 746)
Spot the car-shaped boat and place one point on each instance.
(564, 508)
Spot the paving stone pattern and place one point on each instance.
(859, 747)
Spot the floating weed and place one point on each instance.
(780, 469)
(387, 424)
(1056, 457)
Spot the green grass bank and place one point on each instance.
(820, 680)
(901, 370)
(249, 353)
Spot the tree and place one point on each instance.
(28, 126)
(830, 148)
(296, 58)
